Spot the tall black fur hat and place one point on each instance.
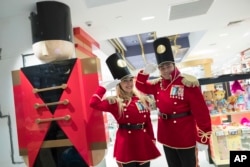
(163, 50)
(117, 66)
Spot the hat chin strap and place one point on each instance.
(165, 62)
(175, 74)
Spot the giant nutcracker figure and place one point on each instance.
(56, 127)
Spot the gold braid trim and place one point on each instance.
(204, 136)
(140, 82)
(155, 81)
(96, 95)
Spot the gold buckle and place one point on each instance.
(142, 126)
(164, 116)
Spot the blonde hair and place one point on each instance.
(122, 96)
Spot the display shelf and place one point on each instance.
(231, 113)
(220, 163)
(224, 78)
(228, 136)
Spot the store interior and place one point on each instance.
(210, 39)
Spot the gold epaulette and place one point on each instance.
(190, 80)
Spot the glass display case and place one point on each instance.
(230, 121)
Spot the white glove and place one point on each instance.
(150, 68)
(111, 84)
(201, 147)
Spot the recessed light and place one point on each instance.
(246, 34)
(223, 34)
(147, 18)
(118, 17)
(212, 44)
(150, 40)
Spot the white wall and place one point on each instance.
(15, 39)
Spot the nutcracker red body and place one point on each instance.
(35, 112)
(55, 125)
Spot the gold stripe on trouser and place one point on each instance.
(197, 158)
(119, 164)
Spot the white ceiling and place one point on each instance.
(205, 20)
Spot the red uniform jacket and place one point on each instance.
(178, 132)
(130, 145)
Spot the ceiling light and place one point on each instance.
(212, 44)
(246, 34)
(223, 35)
(147, 18)
(118, 17)
(150, 40)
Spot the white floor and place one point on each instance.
(159, 162)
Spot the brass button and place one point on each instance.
(127, 116)
(175, 121)
(161, 49)
(129, 131)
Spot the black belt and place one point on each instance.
(170, 116)
(132, 126)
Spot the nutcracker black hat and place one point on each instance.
(118, 67)
(163, 50)
(51, 22)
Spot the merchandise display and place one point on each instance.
(228, 104)
(228, 137)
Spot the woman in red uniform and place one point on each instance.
(184, 121)
(135, 141)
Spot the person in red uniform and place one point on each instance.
(135, 141)
(184, 122)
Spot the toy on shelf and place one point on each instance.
(232, 104)
(209, 99)
(245, 136)
(220, 101)
(244, 121)
(247, 95)
(238, 91)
